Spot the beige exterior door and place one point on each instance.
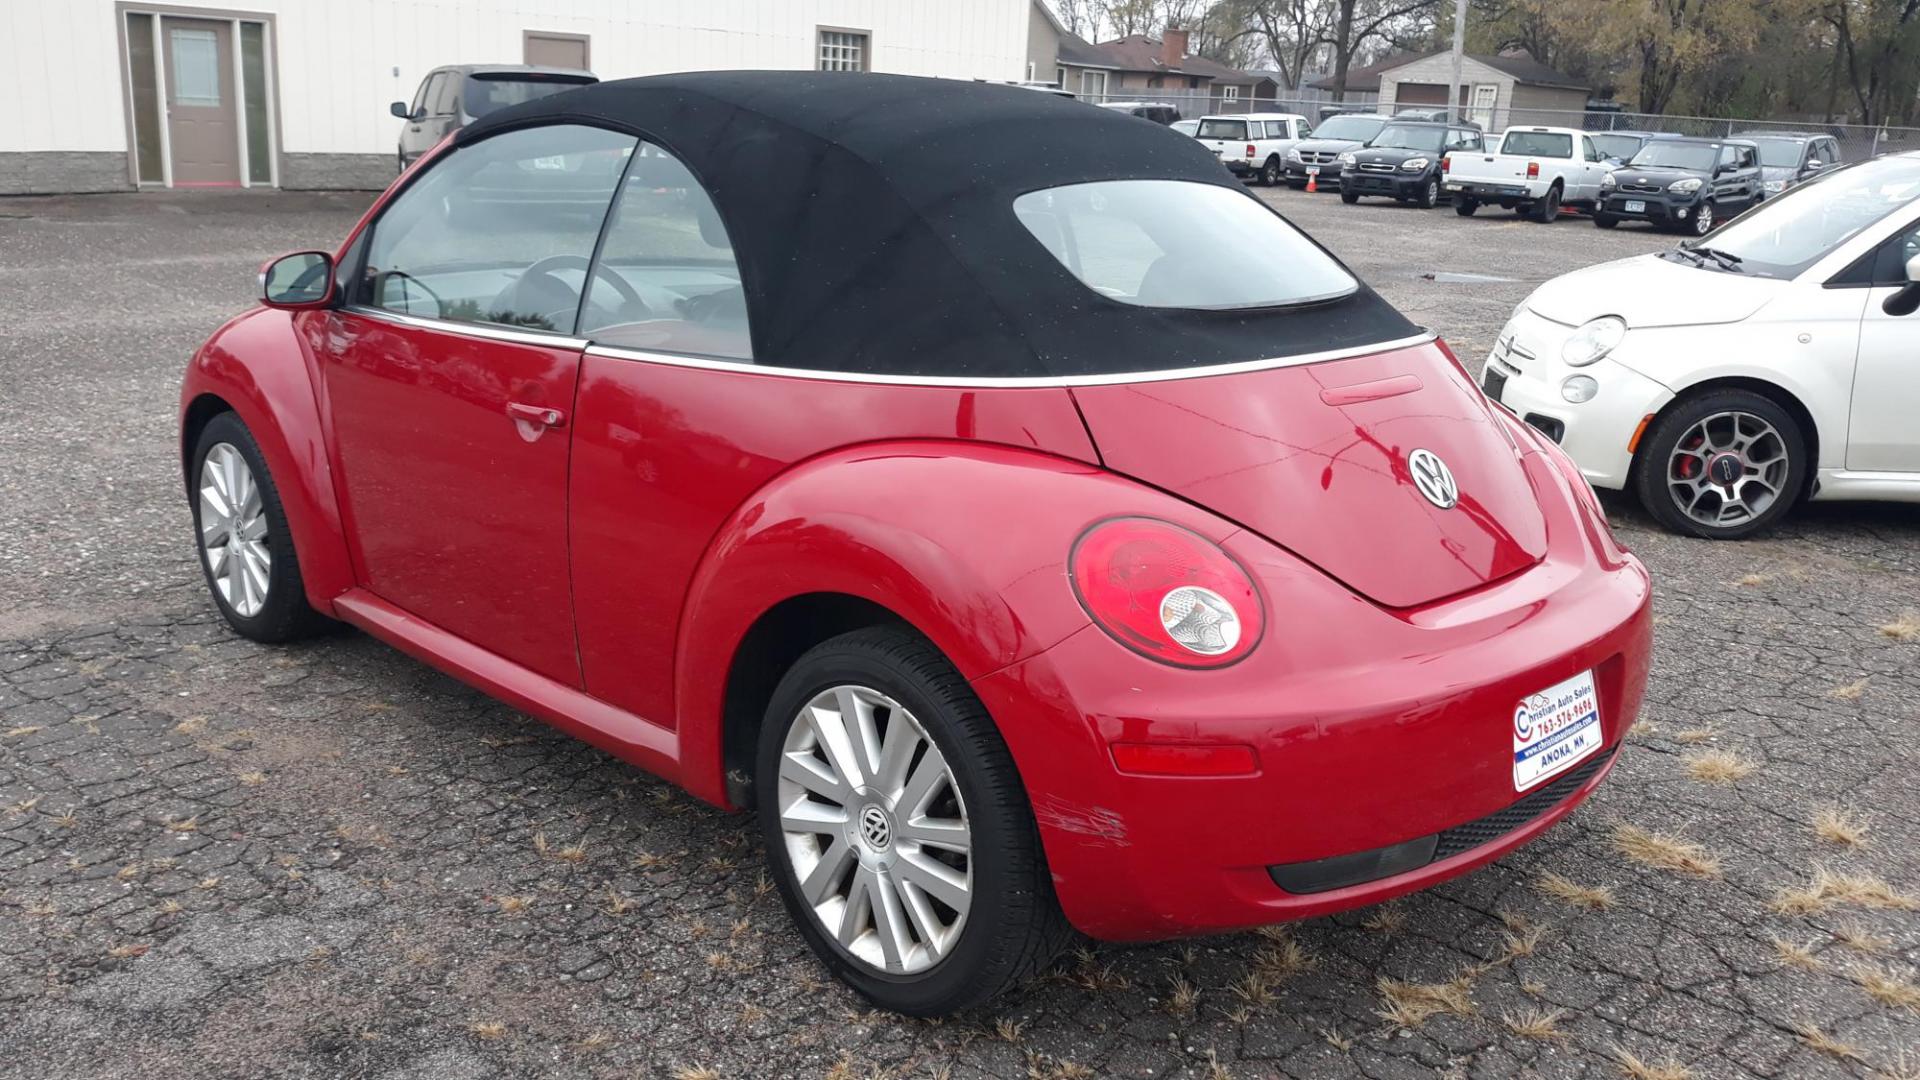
(203, 125)
(557, 50)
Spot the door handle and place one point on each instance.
(540, 415)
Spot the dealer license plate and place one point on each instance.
(1554, 730)
(1313, 170)
(1635, 206)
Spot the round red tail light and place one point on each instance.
(1166, 592)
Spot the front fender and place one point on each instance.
(967, 542)
(260, 365)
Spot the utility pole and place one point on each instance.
(1454, 108)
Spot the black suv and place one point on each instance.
(1792, 157)
(1403, 161)
(1685, 184)
(453, 97)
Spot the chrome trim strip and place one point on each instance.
(474, 330)
(745, 368)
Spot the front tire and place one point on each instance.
(1349, 197)
(1270, 173)
(1605, 221)
(246, 549)
(1703, 220)
(899, 832)
(1430, 195)
(1723, 465)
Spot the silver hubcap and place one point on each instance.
(875, 830)
(1727, 469)
(233, 530)
(1703, 222)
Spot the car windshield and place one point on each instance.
(1790, 232)
(1538, 144)
(1617, 146)
(1780, 153)
(1670, 154)
(1180, 244)
(1411, 137)
(491, 93)
(1223, 129)
(1350, 128)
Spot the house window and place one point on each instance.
(843, 50)
(1093, 84)
(1484, 96)
(1229, 93)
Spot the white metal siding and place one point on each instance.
(61, 74)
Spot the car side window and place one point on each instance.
(420, 97)
(1748, 159)
(440, 95)
(667, 279)
(1586, 146)
(498, 232)
(1302, 129)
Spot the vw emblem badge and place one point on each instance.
(1433, 478)
(875, 829)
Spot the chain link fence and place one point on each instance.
(1857, 142)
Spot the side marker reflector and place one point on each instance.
(1633, 444)
(1165, 759)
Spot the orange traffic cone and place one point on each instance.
(1313, 181)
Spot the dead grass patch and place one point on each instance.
(1852, 691)
(1860, 939)
(1719, 767)
(1793, 954)
(1536, 1023)
(1828, 889)
(1694, 735)
(1386, 919)
(1568, 891)
(1904, 628)
(1411, 1004)
(1820, 1041)
(695, 1072)
(1182, 996)
(1887, 987)
(490, 1030)
(1633, 1066)
(1841, 826)
(1665, 851)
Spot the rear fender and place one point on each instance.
(260, 365)
(966, 542)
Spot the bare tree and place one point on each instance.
(1358, 21)
(1125, 17)
(1293, 32)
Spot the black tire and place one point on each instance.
(1270, 172)
(1465, 206)
(1547, 209)
(285, 614)
(1654, 463)
(1429, 195)
(1297, 185)
(1605, 221)
(1349, 197)
(1019, 929)
(1703, 219)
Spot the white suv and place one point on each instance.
(1254, 144)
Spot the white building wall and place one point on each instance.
(342, 61)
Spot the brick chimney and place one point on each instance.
(1173, 47)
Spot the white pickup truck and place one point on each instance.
(1534, 170)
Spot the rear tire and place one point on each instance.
(1465, 206)
(1677, 459)
(1548, 208)
(1011, 927)
(246, 549)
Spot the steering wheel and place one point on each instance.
(536, 289)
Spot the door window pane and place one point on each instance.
(498, 232)
(146, 98)
(196, 67)
(253, 68)
(667, 279)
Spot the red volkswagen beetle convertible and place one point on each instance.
(1037, 529)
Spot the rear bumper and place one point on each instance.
(1375, 730)
(1397, 185)
(1489, 191)
(1241, 166)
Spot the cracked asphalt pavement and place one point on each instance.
(222, 859)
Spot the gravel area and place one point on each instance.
(219, 859)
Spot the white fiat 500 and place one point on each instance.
(1775, 359)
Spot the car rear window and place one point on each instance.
(491, 93)
(1180, 244)
(1223, 129)
(1556, 144)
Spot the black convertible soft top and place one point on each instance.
(872, 218)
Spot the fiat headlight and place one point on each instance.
(1684, 187)
(1415, 164)
(1595, 339)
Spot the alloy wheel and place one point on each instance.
(1703, 221)
(233, 530)
(1727, 469)
(875, 830)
